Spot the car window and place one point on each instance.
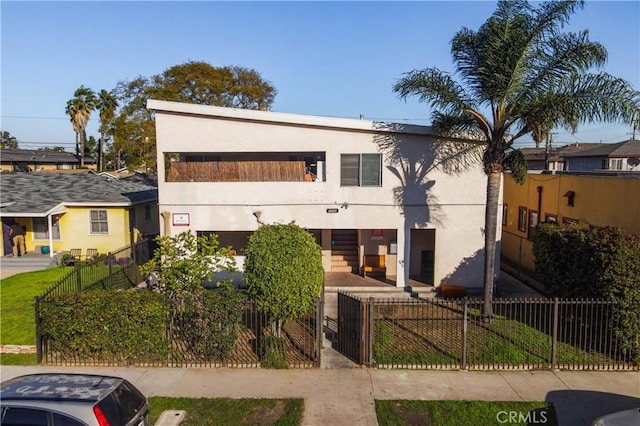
(130, 399)
(23, 416)
(61, 420)
(111, 410)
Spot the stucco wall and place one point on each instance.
(415, 193)
(599, 200)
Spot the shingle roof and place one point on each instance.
(31, 155)
(38, 193)
(625, 149)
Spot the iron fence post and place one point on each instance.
(319, 318)
(370, 332)
(78, 268)
(554, 335)
(111, 259)
(135, 263)
(465, 310)
(36, 305)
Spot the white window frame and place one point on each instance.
(37, 234)
(98, 221)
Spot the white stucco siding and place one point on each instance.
(451, 204)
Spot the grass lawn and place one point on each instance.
(464, 413)
(17, 318)
(227, 411)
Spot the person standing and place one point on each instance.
(17, 234)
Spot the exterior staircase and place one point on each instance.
(344, 250)
(28, 262)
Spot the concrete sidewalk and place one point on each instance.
(346, 396)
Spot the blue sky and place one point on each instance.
(336, 59)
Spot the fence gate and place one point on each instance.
(354, 322)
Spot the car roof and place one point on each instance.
(59, 386)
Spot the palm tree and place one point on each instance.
(79, 109)
(107, 104)
(518, 70)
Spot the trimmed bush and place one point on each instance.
(283, 271)
(599, 262)
(107, 326)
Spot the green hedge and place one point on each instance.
(107, 326)
(590, 261)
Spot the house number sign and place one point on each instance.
(180, 219)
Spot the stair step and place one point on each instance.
(347, 257)
(341, 269)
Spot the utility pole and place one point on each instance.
(547, 149)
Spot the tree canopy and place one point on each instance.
(191, 82)
(519, 73)
(7, 141)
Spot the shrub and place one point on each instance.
(106, 325)
(593, 262)
(211, 327)
(283, 271)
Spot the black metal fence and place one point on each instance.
(117, 269)
(302, 338)
(449, 333)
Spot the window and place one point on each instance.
(147, 212)
(360, 170)
(571, 198)
(99, 223)
(550, 217)
(41, 228)
(504, 214)
(533, 221)
(568, 220)
(522, 219)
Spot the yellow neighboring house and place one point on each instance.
(77, 211)
(586, 198)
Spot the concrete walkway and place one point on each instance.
(346, 396)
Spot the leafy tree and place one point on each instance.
(283, 271)
(182, 262)
(79, 109)
(191, 82)
(7, 141)
(519, 71)
(211, 319)
(107, 105)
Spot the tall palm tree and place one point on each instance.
(79, 109)
(516, 69)
(107, 104)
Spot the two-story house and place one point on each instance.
(361, 187)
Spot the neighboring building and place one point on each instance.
(622, 156)
(537, 157)
(27, 160)
(567, 197)
(80, 210)
(362, 188)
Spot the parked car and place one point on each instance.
(60, 399)
(620, 418)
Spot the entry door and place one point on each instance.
(426, 266)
